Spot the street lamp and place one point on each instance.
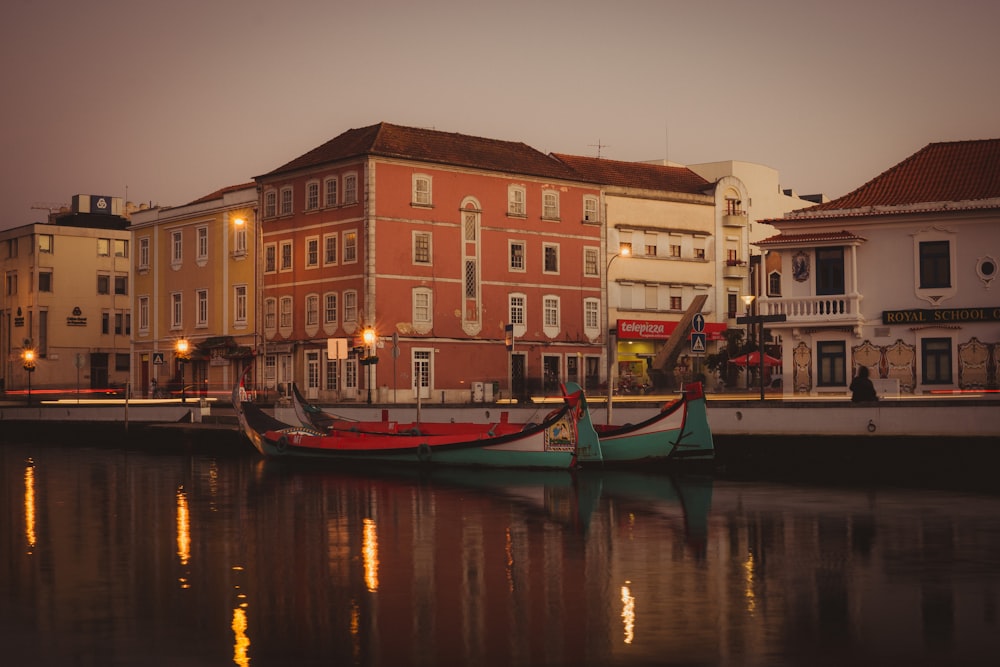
(181, 350)
(624, 250)
(28, 357)
(368, 336)
(747, 300)
(241, 249)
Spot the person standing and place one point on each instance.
(862, 389)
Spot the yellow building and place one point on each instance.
(196, 280)
(65, 298)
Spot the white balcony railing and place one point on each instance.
(827, 308)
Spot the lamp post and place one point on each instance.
(241, 249)
(747, 301)
(368, 336)
(181, 350)
(623, 251)
(28, 357)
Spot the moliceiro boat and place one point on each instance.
(678, 432)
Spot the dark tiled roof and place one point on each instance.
(447, 148)
(220, 192)
(636, 174)
(956, 171)
(808, 239)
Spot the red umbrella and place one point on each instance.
(754, 360)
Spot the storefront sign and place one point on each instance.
(942, 316)
(654, 330)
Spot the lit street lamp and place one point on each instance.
(368, 336)
(181, 350)
(28, 357)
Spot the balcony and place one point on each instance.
(734, 268)
(734, 219)
(840, 309)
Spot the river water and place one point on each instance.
(124, 556)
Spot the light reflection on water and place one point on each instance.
(118, 557)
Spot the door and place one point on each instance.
(312, 375)
(517, 374)
(421, 374)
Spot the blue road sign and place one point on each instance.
(698, 323)
(698, 342)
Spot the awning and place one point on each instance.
(754, 360)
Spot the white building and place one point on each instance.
(897, 275)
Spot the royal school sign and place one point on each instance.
(942, 316)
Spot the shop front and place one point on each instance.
(639, 342)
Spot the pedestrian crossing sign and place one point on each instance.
(698, 342)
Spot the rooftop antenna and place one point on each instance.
(598, 146)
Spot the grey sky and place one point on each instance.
(172, 100)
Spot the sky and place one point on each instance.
(163, 102)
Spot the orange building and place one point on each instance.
(441, 243)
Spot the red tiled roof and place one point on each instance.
(221, 191)
(449, 148)
(956, 171)
(635, 174)
(808, 239)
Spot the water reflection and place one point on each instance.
(161, 558)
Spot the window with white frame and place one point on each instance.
(517, 305)
(350, 247)
(421, 247)
(421, 190)
(312, 252)
(286, 200)
(550, 258)
(143, 253)
(550, 205)
(591, 316)
(516, 254)
(329, 249)
(350, 307)
(270, 204)
(330, 308)
(422, 309)
(312, 195)
(591, 262)
(285, 306)
(270, 313)
(240, 237)
(240, 305)
(143, 314)
(550, 315)
(312, 310)
(176, 310)
(516, 195)
(176, 247)
(286, 255)
(590, 209)
(201, 308)
(330, 186)
(201, 233)
(351, 189)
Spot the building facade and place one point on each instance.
(196, 294)
(66, 295)
(897, 275)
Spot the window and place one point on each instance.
(44, 281)
(270, 258)
(312, 252)
(351, 306)
(422, 306)
(11, 283)
(591, 316)
(699, 253)
(676, 303)
(550, 312)
(270, 204)
(312, 310)
(105, 322)
(329, 249)
(240, 304)
(331, 191)
(330, 308)
(121, 247)
(201, 300)
(625, 248)
(103, 283)
(421, 190)
(144, 313)
(240, 237)
(935, 264)
(550, 205)
(121, 284)
(518, 304)
(312, 196)
(935, 361)
(731, 305)
(286, 312)
(144, 252)
(176, 247)
(515, 201)
(421, 247)
(829, 270)
(286, 200)
(590, 213)
(675, 250)
(45, 243)
(176, 319)
(286, 255)
(650, 242)
(270, 308)
(591, 263)
(470, 279)
(551, 258)
(351, 189)
(774, 284)
(516, 255)
(350, 247)
(104, 247)
(831, 362)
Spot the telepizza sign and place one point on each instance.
(655, 330)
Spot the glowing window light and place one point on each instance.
(183, 528)
(628, 613)
(29, 505)
(370, 551)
